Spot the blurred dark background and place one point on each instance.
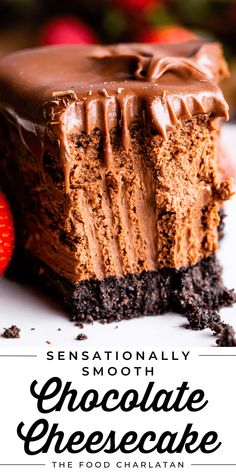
(23, 22)
(30, 23)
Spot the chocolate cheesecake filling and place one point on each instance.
(158, 208)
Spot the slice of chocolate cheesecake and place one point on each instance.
(109, 156)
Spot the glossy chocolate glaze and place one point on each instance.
(57, 90)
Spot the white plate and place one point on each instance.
(29, 308)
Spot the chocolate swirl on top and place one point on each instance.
(154, 68)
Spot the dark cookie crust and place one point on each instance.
(191, 290)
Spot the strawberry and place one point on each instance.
(6, 234)
(67, 30)
(166, 35)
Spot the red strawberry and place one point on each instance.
(166, 35)
(67, 30)
(6, 234)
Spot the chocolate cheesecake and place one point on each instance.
(110, 158)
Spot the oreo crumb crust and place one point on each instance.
(197, 292)
(12, 332)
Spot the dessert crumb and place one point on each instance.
(58, 329)
(81, 337)
(217, 328)
(48, 342)
(227, 337)
(201, 318)
(79, 325)
(32, 329)
(12, 332)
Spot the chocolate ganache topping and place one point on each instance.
(153, 68)
(56, 91)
